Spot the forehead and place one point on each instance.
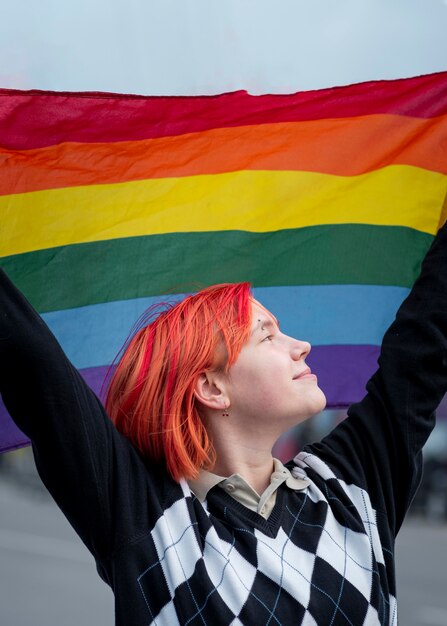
(259, 312)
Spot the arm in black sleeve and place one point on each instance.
(84, 462)
(378, 446)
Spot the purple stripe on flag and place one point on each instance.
(342, 372)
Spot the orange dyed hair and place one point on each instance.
(150, 397)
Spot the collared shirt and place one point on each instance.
(240, 490)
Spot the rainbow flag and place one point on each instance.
(325, 200)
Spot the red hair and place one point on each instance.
(151, 398)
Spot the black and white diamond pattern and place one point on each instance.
(314, 570)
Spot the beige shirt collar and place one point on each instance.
(207, 480)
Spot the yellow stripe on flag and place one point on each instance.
(256, 201)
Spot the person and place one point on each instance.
(176, 494)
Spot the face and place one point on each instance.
(270, 383)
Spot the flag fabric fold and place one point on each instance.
(325, 200)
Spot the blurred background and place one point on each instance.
(41, 555)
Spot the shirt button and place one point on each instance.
(263, 510)
(229, 487)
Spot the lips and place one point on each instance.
(305, 373)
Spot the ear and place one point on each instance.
(210, 390)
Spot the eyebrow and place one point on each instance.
(265, 322)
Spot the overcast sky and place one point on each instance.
(212, 46)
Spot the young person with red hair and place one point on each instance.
(173, 488)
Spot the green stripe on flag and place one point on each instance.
(120, 269)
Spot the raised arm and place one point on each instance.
(378, 447)
(81, 458)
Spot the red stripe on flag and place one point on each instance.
(33, 119)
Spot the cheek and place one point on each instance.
(261, 377)
(252, 385)
(263, 389)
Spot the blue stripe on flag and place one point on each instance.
(322, 314)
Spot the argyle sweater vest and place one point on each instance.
(318, 559)
(325, 556)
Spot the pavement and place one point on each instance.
(48, 578)
(421, 559)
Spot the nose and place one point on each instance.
(300, 349)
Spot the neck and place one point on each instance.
(253, 462)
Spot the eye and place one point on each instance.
(268, 338)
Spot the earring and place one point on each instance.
(225, 412)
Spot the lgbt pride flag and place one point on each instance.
(325, 200)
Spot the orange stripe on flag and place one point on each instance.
(344, 147)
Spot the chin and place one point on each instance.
(323, 401)
(318, 403)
